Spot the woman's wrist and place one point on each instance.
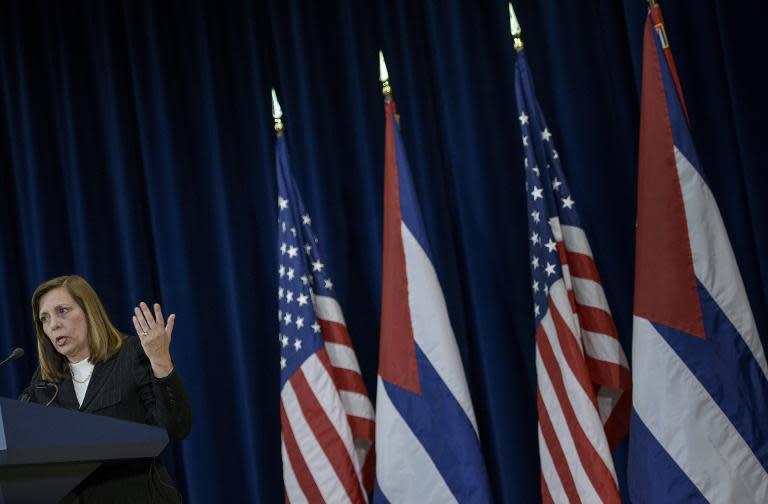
(161, 368)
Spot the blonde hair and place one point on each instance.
(104, 340)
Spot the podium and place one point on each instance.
(46, 451)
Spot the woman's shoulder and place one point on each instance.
(130, 355)
(130, 341)
(129, 347)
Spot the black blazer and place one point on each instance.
(124, 387)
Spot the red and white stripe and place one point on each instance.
(604, 355)
(349, 382)
(328, 421)
(584, 381)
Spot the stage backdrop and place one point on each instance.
(137, 150)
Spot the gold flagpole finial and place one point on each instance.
(277, 113)
(651, 3)
(514, 28)
(386, 89)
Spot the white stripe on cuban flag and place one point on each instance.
(699, 429)
(713, 259)
(424, 410)
(419, 480)
(431, 325)
(414, 478)
(690, 425)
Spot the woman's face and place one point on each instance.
(65, 325)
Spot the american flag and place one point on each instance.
(326, 416)
(583, 376)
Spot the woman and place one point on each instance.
(88, 365)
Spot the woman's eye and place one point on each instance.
(63, 310)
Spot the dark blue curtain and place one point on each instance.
(136, 149)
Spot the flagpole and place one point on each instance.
(515, 29)
(386, 88)
(277, 114)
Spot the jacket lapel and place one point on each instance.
(66, 395)
(101, 373)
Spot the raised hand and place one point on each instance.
(155, 336)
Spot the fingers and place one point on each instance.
(147, 315)
(169, 327)
(140, 331)
(145, 322)
(159, 315)
(139, 319)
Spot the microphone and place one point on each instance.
(17, 352)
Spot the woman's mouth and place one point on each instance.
(61, 340)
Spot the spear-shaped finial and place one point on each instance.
(514, 28)
(277, 113)
(386, 89)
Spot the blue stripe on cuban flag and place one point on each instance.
(700, 419)
(428, 449)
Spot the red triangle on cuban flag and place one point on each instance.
(397, 356)
(665, 281)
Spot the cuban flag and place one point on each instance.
(428, 449)
(699, 427)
